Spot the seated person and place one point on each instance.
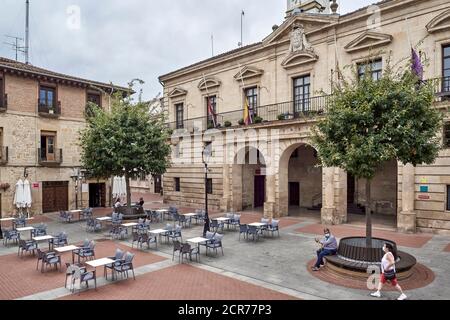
(329, 247)
(118, 204)
(141, 202)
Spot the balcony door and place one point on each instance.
(446, 69)
(48, 144)
(302, 91)
(47, 97)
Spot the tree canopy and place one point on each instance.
(124, 141)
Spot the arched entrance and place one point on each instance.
(248, 180)
(300, 181)
(384, 196)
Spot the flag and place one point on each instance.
(416, 64)
(243, 13)
(211, 112)
(247, 115)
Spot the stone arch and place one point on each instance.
(287, 150)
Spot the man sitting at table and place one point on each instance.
(329, 247)
(141, 202)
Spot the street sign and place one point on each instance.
(424, 197)
(36, 185)
(424, 189)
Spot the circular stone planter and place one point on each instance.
(354, 258)
(132, 213)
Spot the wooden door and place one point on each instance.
(158, 183)
(294, 194)
(50, 144)
(55, 196)
(260, 191)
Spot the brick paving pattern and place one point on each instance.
(20, 277)
(181, 282)
(405, 240)
(421, 277)
(447, 249)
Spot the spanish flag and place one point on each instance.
(247, 115)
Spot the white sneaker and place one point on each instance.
(376, 294)
(402, 297)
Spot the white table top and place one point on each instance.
(100, 262)
(75, 211)
(66, 249)
(104, 219)
(131, 224)
(258, 224)
(222, 219)
(190, 214)
(198, 240)
(162, 210)
(158, 231)
(7, 219)
(25, 229)
(43, 238)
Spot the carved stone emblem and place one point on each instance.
(299, 42)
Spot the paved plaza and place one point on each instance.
(269, 269)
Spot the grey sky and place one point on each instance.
(121, 40)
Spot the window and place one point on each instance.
(302, 89)
(448, 198)
(48, 145)
(446, 68)
(251, 94)
(177, 184)
(374, 68)
(2, 93)
(95, 98)
(447, 135)
(142, 177)
(211, 111)
(209, 186)
(179, 115)
(47, 97)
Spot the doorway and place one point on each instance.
(157, 179)
(97, 195)
(294, 194)
(48, 142)
(260, 191)
(55, 196)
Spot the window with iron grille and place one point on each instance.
(374, 68)
(179, 115)
(177, 184)
(302, 89)
(251, 94)
(446, 68)
(447, 134)
(47, 97)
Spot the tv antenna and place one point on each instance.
(15, 45)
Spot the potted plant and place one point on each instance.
(227, 124)
(258, 119)
(281, 116)
(241, 122)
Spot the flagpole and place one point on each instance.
(242, 27)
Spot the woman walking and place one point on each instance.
(388, 272)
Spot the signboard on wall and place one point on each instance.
(35, 185)
(424, 189)
(85, 188)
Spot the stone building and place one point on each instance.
(286, 81)
(41, 114)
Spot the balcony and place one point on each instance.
(3, 103)
(308, 108)
(47, 159)
(305, 109)
(4, 155)
(49, 111)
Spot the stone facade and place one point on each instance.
(382, 32)
(22, 125)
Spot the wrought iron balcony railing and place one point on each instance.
(4, 156)
(49, 110)
(46, 158)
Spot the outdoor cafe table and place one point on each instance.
(159, 232)
(79, 213)
(130, 225)
(223, 220)
(44, 238)
(68, 249)
(104, 219)
(100, 262)
(162, 212)
(198, 241)
(26, 229)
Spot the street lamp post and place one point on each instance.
(76, 177)
(206, 157)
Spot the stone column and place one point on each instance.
(269, 205)
(407, 218)
(329, 208)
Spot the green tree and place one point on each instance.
(126, 141)
(371, 121)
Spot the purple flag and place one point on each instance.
(416, 66)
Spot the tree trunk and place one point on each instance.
(368, 216)
(127, 182)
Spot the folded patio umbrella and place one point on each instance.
(27, 201)
(19, 195)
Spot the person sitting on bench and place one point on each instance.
(329, 247)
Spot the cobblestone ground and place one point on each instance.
(267, 269)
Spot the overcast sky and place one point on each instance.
(119, 40)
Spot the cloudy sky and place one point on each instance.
(118, 40)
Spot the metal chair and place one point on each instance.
(254, 232)
(10, 235)
(215, 244)
(125, 265)
(27, 246)
(243, 229)
(187, 250)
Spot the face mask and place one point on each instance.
(327, 235)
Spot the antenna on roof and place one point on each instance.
(27, 32)
(212, 44)
(240, 44)
(15, 45)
